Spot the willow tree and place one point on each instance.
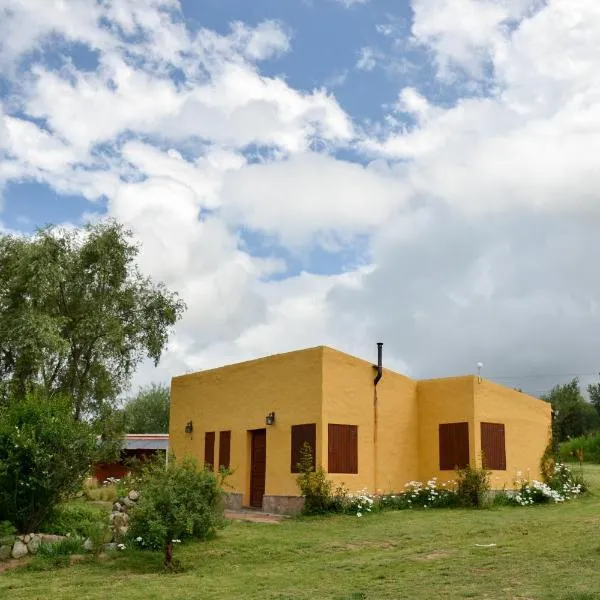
(77, 316)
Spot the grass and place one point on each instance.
(541, 552)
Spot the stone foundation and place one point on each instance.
(233, 500)
(283, 505)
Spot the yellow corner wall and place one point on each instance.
(527, 423)
(447, 400)
(386, 414)
(238, 398)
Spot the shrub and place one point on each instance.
(66, 547)
(75, 519)
(7, 529)
(177, 502)
(92, 490)
(562, 485)
(472, 487)
(315, 487)
(44, 456)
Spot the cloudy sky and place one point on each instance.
(306, 172)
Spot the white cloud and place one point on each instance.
(478, 218)
(368, 58)
(311, 194)
(351, 3)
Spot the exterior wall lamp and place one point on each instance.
(270, 418)
(189, 427)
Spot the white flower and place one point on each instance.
(359, 514)
(121, 546)
(138, 539)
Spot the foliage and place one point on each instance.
(78, 519)
(77, 316)
(472, 486)
(583, 448)
(548, 461)
(148, 411)
(105, 492)
(66, 547)
(7, 529)
(563, 485)
(44, 457)
(573, 416)
(594, 393)
(314, 485)
(177, 502)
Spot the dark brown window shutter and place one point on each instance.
(300, 435)
(224, 449)
(493, 448)
(343, 448)
(454, 446)
(209, 450)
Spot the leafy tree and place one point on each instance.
(178, 502)
(44, 456)
(148, 411)
(594, 392)
(77, 316)
(573, 416)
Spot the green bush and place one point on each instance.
(44, 456)
(472, 487)
(7, 529)
(316, 488)
(66, 547)
(75, 519)
(177, 502)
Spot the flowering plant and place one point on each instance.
(562, 486)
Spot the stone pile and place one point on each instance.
(17, 546)
(119, 517)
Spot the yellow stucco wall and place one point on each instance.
(238, 398)
(349, 397)
(527, 423)
(448, 400)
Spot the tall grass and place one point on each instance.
(585, 448)
(93, 490)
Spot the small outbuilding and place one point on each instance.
(140, 446)
(369, 427)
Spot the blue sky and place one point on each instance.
(325, 171)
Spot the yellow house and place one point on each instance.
(370, 428)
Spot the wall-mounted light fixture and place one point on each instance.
(189, 427)
(270, 418)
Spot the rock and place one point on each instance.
(26, 539)
(134, 495)
(112, 516)
(88, 545)
(128, 503)
(117, 507)
(120, 520)
(34, 544)
(19, 549)
(111, 546)
(5, 552)
(120, 532)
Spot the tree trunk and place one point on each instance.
(168, 554)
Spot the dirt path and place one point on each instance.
(254, 516)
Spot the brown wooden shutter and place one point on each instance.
(454, 446)
(209, 450)
(343, 448)
(300, 435)
(224, 449)
(493, 448)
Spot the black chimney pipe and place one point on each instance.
(379, 362)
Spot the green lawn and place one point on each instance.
(540, 552)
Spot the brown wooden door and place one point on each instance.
(258, 467)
